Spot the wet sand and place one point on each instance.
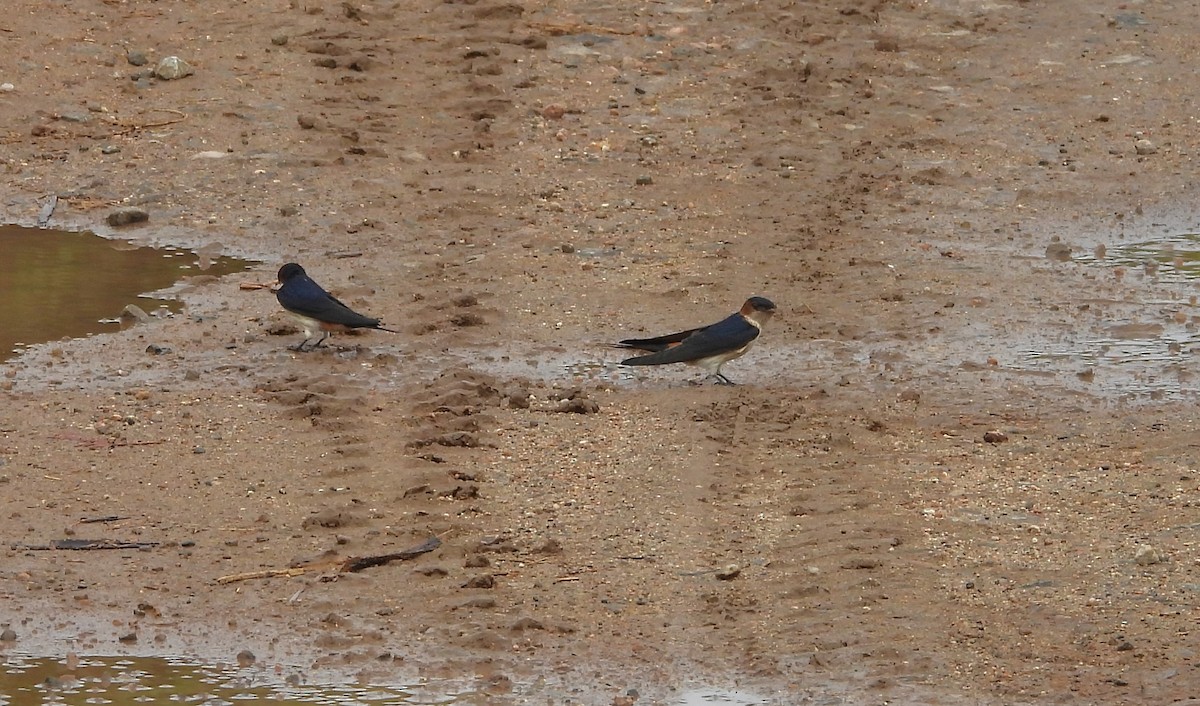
(940, 481)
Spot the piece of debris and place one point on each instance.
(336, 566)
(84, 544)
(47, 211)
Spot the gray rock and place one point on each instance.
(1146, 555)
(134, 314)
(136, 58)
(172, 67)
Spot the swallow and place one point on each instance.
(708, 347)
(315, 309)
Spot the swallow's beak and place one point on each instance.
(274, 286)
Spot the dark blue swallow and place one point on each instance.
(708, 347)
(316, 310)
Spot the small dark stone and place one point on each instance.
(1058, 251)
(481, 581)
(128, 638)
(156, 349)
(136, 58)
(279, 40)
(126, 216)
(995, 437)
(9, 635)
(644, 181)
(550, 546)
(245, 658)
(579, 405)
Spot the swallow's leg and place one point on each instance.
(299, 347)
(321, 341)
(722, 380)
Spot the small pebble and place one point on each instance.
(1144, 147)
(729, 573)
(1147, 555)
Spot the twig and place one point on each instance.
(347, 565)
(84, 544)
(106, 518)
(557, 29)
(127, 128)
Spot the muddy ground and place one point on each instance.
(932, 192)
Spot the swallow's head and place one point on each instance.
(758, 309)
(288, 271)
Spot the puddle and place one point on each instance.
(71, 681)
(1172, 258)
(57, 284)
(1140, 346)
(27, 681)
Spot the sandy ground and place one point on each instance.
(934, 194)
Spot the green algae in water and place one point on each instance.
(138, 681)
(59, 284)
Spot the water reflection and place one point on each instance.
(56, 284)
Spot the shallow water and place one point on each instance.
(27, 681)
(57, 284)
(42, 681)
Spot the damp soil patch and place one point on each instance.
(61, 284)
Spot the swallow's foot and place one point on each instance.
(300, 347)
(722, 380)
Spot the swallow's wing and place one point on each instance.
(659, 343)
(725, 336)
(306, 298)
